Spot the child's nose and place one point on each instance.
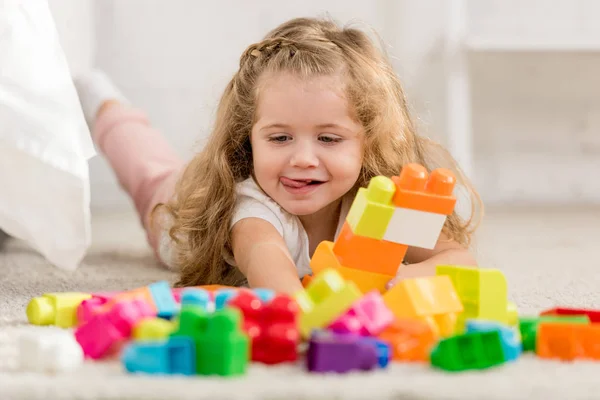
(304, 157)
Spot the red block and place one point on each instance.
(593, 315)
(272, 327)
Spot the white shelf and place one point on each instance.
(532, 26)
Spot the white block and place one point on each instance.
(49, 351)
(414, 228)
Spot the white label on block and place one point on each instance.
(415, 228)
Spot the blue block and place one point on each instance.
(195, 297)
(165, 303)
(174, 356)
(383, 350)
(222, 296)
(265, 295)
(182, 355)
(511, 345)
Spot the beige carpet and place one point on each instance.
(548, 257)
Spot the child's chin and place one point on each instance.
(299, 210)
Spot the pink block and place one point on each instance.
(369, 316)
(105, 295)
(103, 331)
(124, 315)
(97, 336)
(88, 308)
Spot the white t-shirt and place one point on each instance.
(252, 202)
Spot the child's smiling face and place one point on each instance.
(306, 147)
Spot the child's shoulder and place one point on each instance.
(252, 201)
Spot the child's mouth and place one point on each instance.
(299, 183)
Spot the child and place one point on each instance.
(313, 113)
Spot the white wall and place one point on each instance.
(536, 116)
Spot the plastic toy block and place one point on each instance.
(97, 336)
(191, 321)
(88, 308)
(409, 339)
(417, 190)
(152, 329)
(475, 350)
(528, 326)
(327, 297)
(415, 228)
(369, 314)
(512, 314)
(265, 295)
(511, 342)
(593, 315)
(568, 342)
(164, 301)
(195, 297)
(222, 297)
(372, 209)
(383, 349)
(324, 258)
(177, 355)
(330, 352)
(222, 348)
(58, 309)
(306, 280)
(367, 254)
(142, 294)
(100, 334)
(482, 291)
(125, 315)
(272, 326)
(52, 351)
(431, 299)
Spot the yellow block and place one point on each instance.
(58, 309)
(324, 299)
(483, 292)
(325, 258)
(372, 208)
(431, 299)
(152, 329)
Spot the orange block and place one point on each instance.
(431, 299)
(568, 341)
(417, 190)
(409, 339)
(142, 293)
(324, 258)
(306, 279)
(368, 254)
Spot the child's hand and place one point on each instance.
(409, 271)
(426, 267)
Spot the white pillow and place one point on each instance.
(45, 143)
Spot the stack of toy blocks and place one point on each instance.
(384, 219)
(349, 331)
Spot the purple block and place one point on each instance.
(332, 352)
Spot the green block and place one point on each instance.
(474, 350)
(191, 321)
(372, 208)
(528, 326)
(223, 348)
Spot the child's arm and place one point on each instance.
(262, 256)
(422, 262)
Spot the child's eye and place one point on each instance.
(330, 139)
(279, 138)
